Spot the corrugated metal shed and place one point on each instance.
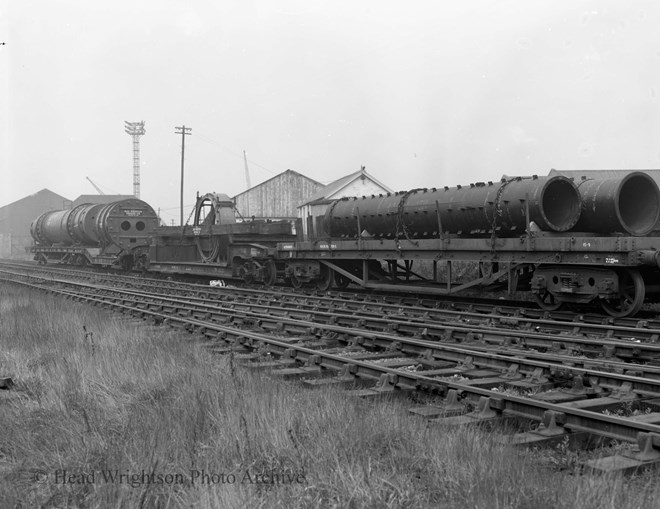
(278, 197)
(16, 217)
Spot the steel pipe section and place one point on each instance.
(121, 223)
(552, 203)
(50, 228)
(67, 227)
(82, 224)
(629, 204)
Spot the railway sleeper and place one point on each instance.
(387, 384)
(551, 432)
(487, 410)
(271, 364)
(616, 405)
(488, 382)
(451, 406)
(347, 376)
(307, 370)
(644, 456)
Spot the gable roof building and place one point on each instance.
(16, 217)
(359, 183)
(277, 197)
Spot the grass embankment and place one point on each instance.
(109, 414)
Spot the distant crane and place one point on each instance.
(98, 189)
(247, 171)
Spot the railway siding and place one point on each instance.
(564, 393)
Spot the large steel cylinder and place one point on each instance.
(51, 228)
(553, 203)
(66, 227)
(82, 224)
(120, 222)
(629, 204)
(124, 221)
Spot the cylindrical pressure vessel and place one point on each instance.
(121, 222)
(553, 203)
(82, 221)
(629, 204)
(51, 228)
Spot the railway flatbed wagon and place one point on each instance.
(216, 244)
(618, 271)
(82, 256)
(565, 242)
(114, 234)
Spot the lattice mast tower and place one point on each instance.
(135, 129)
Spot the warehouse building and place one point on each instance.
(358, 184)
(15, 220)
(278, 197)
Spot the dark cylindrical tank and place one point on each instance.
(553, 203)
(124, 223)
(51, 227)
(81, 224)
(629, 204)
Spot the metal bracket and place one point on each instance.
(552, 424)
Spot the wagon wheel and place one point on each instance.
(270, 273)
(246, 273)
(142, 263)
(326, 279)
(631, 295)
(295, 282)
(547, 301)
(341, 281)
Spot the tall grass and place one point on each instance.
(99, 397)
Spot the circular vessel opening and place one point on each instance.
(561, 204)
(638, 204)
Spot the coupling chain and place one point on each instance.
(497, 213)
(400, 223)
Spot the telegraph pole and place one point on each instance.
(135, 129)
(183, 131)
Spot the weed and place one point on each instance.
(157, 415)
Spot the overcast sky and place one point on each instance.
(422, 93)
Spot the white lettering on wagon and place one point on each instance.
(611, 259)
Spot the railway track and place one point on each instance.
(407, 308)
(472, 371)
